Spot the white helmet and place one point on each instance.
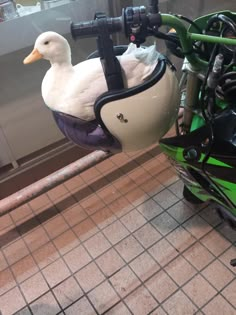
(129, 119)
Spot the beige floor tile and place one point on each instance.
(97, 245)
(147, 235)
(218, 306)
(103, 217)
(89, 277)
(199, 291)
(11, 302)
(181, 211)
(110, 262)
(154, 167)
(77, 258)
(24, 268)
(158, 311)
(92, 204)
(167, 177)
(210, 215)
(215, 242)
(103, 297)
(198, 256)
(121, 206)
(179, 304)
(212, 274)
(197, 226)
(140, 301)
(36, 238)
(43, 215)
(108, 194)
(24, 311)
(56, 226)
(164, 223)
(74, 183)
(165, 198)
(57, 192)
(34, 287)
(226, 230)
(150, 209)
(105, 165)
(65, 202)
(180, 270)
(97, 183)
(163, 252)
(129, 248)
(139, 176)
(152, 186)
(82, 194)
(180, 239)
(227, 256)
(7, 280)
(230, 293)
(177, 188)
(15, 251)
(66, 241)
(3, 263)
(8, 236)
(39, 202)
(74, 215)
(68, 292)
(137, 196)
(56, 272)
(144, 266)
(85, 229)
(45, 255)
(81, 307)
(21, 212)
(161, 286)
(46, 305)
(115, 232)
(124, 184)
(124, 281)
(133, 220)
(90, 174)
(119, 309)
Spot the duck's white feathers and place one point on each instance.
(73, 90)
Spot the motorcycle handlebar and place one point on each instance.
(90, 28)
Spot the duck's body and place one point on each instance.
(74, 89)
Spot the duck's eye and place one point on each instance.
(46, 43)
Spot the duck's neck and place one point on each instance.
(61, 65)
(61, 60)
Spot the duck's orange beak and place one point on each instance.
(33, 56)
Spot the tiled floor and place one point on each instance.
(117, 240)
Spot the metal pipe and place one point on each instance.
(43, 185)
(192, 91)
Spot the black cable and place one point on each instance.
(190, 22)
(207, 154)
(203, 90)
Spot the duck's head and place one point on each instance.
(50, 46)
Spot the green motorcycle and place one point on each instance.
(203, 151)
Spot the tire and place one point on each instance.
(190, 197)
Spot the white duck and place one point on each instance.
(74, 89)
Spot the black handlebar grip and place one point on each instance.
(153, 6)
(90, 28)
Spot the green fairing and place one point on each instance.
(177, 155)
(202, 21)
(229, 189)
(197, 122)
